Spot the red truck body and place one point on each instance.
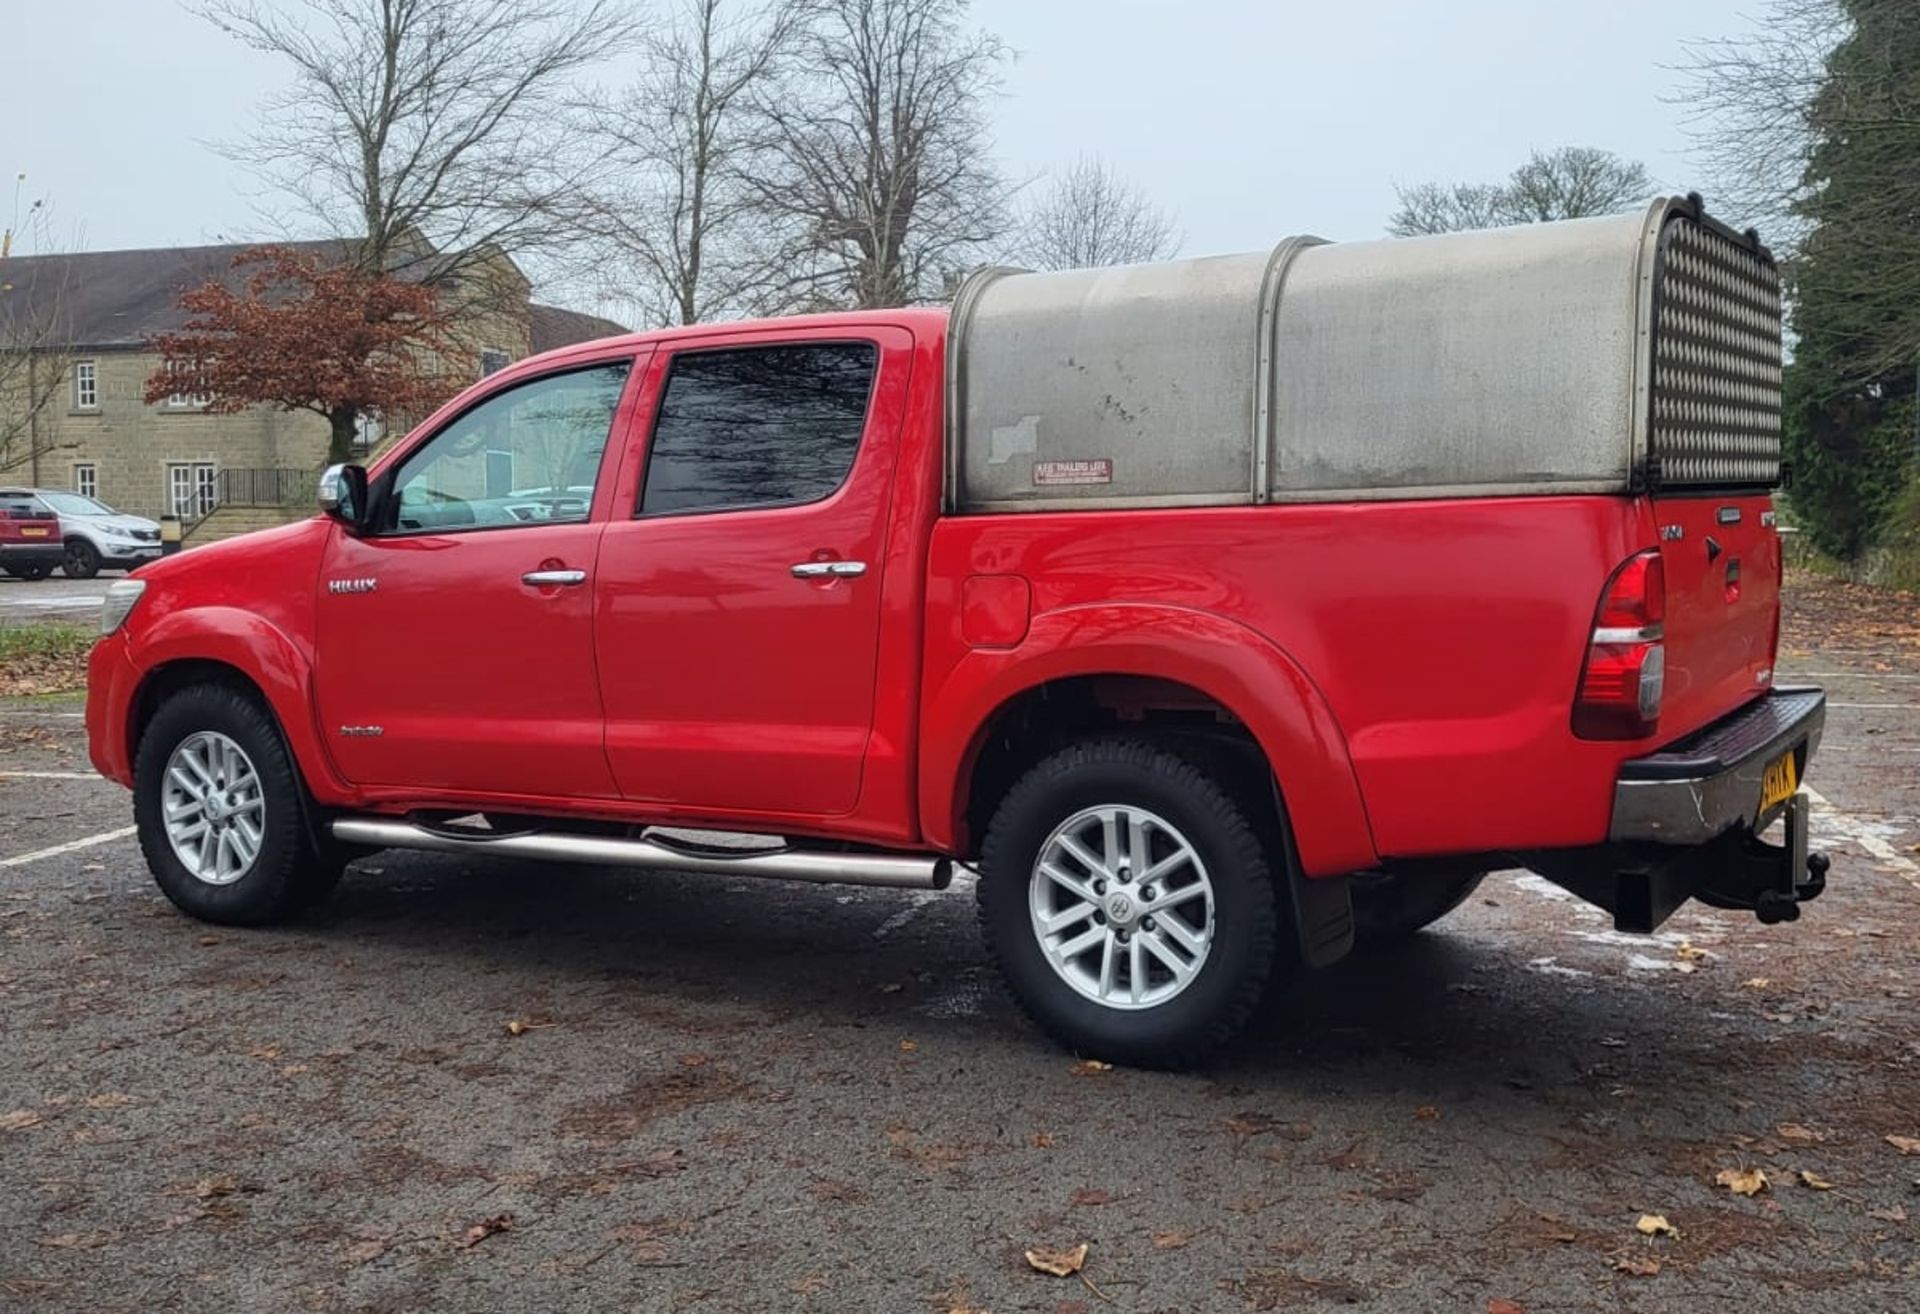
(1380, 688)
(1404, 665)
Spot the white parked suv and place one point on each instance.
(96, 536)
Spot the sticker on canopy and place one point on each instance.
(1048, 474)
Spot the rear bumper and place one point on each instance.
(32, 554)
(1709, 783)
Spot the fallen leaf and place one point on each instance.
(1905, 1144)
(834, 1192)
(1087, 1067)
(75, 1240)
(1756, 983)
(1089, 1198)
(515, 1027)
(1428, 1113)
(366, 1250)
(1041, 1140)
(1810, 1178)
(1498, 1306)
(1638, 1265)
(1655, 1225)
(1060, 1263)
(1742, 1181)
(268, 1052)
(810, 1285)
(1891, 1214)
(208, 941)
(20, 1120)
(1793, 1131)
(891, 988)
(485, 1228)
(212, 1188)
(908, 1046)
(1555, 1230)
(1174, 1238)
(1249, 1124)
(1689, 953)
(695, 1060)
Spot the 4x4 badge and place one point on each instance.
(364, 584)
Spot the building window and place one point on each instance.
(86, 385)
(189, 395)
(493, 360)
(86, 479)
(191, 488)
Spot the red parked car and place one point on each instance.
(30, 544)
(1223, 612)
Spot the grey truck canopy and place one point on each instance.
(1595, 355)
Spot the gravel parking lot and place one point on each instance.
(519, 1088)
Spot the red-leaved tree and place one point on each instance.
(302, 334)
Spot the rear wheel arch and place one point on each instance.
(1184, 673)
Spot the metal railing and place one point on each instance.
(265, 487)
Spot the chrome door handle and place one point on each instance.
(538, 577)
(823, 569)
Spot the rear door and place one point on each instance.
(1721, 553)
(737, 598)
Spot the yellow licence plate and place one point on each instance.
(32, 533)
(1779, 782)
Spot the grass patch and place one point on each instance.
(44, 659)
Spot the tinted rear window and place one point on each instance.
(759, 426)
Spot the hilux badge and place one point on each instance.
(363, 584)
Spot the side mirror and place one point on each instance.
(343, 494)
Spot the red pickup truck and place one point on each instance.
(1218, 613)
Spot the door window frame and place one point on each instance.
(665, 378)
(385, 479)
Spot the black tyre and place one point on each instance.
(83, 560)
(1388, 907)
(37, 570)
(221, 811)
(1129, 901)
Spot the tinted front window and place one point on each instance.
(759, 426)
(529, 455)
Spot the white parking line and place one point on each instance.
(1852, 828)
(1880, 707)
(106, 837)
(50, 775)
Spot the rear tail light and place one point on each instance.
(1625, 671)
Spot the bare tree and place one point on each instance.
(677, 211)
(442, 119)
(1440, 208)
(876, 163)
(36, 337)
(1573, 182)
(1751, 99)
(1090, 216)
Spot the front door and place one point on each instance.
(739, 598)
(456, 637)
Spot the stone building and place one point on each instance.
(77, 415)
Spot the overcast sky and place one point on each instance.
(1251, 119)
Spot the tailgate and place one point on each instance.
(1722, 558)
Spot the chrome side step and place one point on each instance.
(896, 870)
